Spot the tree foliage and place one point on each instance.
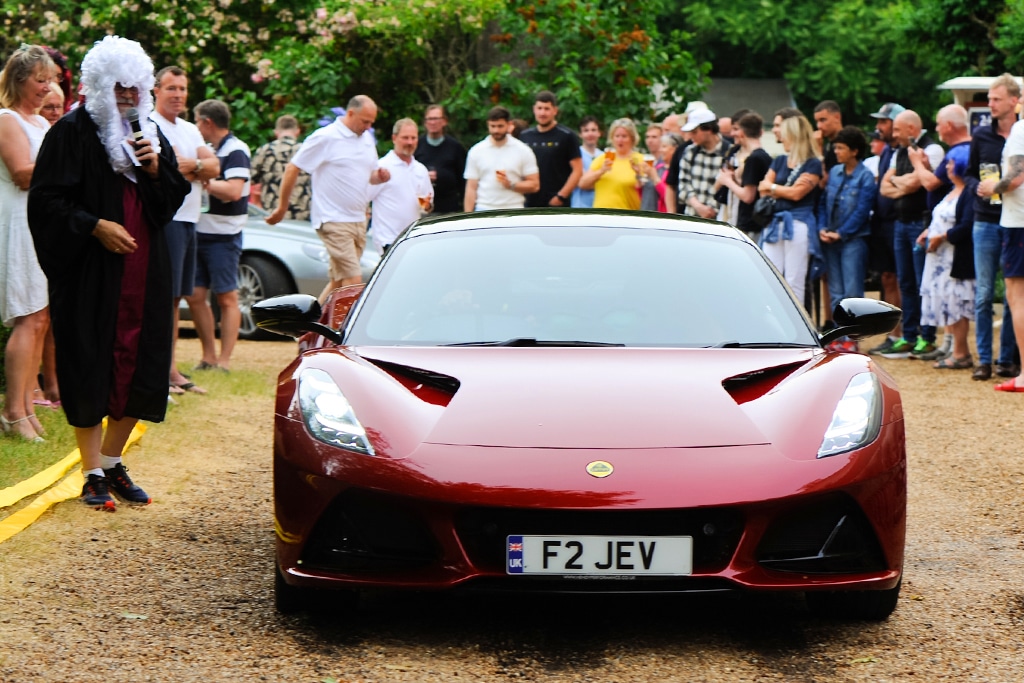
(603, 58)
(266, 57)
(303, 57)
(860, 52)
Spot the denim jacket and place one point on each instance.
(846, 206)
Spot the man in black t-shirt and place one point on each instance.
(558, 154)
(445, 159)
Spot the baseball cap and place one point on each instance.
(875, 135)
(694, 106)
(699, 117)
(889, 110)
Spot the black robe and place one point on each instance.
(73, 186)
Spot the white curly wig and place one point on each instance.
(111, 61)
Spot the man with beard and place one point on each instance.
(500, 170)
(97, 206)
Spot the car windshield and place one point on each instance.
(586, 286)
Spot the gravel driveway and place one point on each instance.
(182, 590)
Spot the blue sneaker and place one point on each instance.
(124, 488)
(96, 495)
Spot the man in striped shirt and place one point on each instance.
(219, 236)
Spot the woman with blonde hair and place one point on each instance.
(618, 175)
(791, 237)
(24, 84)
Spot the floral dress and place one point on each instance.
(944, 299)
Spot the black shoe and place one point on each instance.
(96, 495)
(982, 372)
(123, 486)
(1007, 369)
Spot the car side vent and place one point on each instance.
(755, 384)
(432, 387)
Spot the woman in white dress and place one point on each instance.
(947, 285)
(24, 84)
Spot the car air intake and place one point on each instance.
(830, 536)
(362, 532)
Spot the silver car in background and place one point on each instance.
(287, 258)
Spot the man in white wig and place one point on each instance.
(98, 201)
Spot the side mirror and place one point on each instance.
(859, 318)
(292, 315)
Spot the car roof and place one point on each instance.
(555, 217)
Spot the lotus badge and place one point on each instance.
(599, 469)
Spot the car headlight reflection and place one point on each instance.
(856, 419)
(328, 414)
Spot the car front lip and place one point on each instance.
(661, 479)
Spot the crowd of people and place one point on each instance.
(836, 207)
(114, 208)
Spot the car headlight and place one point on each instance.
(316, 253)
(856, 419)
(328, 414)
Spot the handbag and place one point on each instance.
(764, 207)
(764, 211)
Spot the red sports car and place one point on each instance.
(585, 401)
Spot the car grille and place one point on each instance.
(828, 536)
(715, 531)
(366, 532)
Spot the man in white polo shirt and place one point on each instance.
(341, 159)
(401, 200)
(198, 164)
(500, 169)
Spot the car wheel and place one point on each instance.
(860, 605)
(259, 278)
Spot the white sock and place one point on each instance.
(97, 472)
(109, 461)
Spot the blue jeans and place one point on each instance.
(988, 239)
(909, 271)
(847, 265)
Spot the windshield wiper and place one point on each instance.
(733, 344)
(531, 341)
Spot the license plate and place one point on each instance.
(600, 555)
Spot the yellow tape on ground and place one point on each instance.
(70, 487)
(12, 494)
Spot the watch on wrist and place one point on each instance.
(562, 199)
(199, 165)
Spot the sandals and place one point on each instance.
(9, 427)
(965, 363)
(1009, 385)
(188, 386)
(203, 365)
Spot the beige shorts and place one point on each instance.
(344, 243)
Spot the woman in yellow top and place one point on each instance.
(617, 176)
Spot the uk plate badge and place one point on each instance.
(514, 553)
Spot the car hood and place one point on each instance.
(589, 398)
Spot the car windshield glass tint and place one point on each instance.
(577, 285)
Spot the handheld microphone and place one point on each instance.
(133, 120)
